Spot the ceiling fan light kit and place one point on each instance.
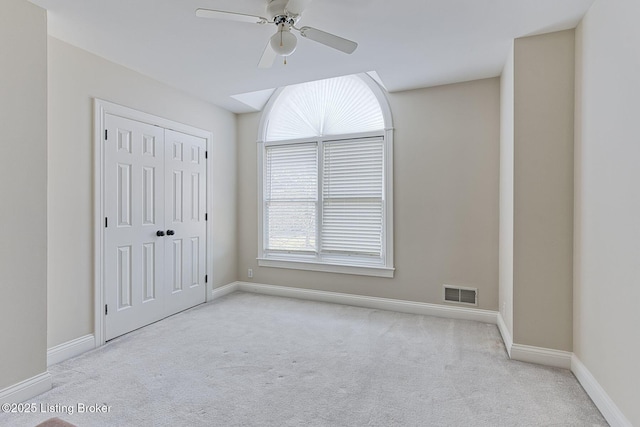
(283, 42)
(285, 14)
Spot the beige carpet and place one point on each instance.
(253, 360)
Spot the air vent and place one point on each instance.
(461, 295)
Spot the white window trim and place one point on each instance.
(378, 271)
(328, 268)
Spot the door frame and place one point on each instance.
(100, 109)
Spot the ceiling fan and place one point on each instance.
(285, 14)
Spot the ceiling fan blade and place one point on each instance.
(296, 7)
(268, 57)
(230, 16)
(328, 39)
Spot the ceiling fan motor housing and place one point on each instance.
(276, 8)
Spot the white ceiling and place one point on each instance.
(409, 43)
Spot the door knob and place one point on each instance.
(159, 233)
(170, 232)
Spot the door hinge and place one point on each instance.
(206, 154)
(106, 309)
(106, 134)
(106, 222)
(206, 278)
(206, 217)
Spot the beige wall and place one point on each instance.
(505, 293)
(607, 202)
(445, 199)
(543, 190)
(23, 191)
(75, 77)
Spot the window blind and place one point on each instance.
(291, 198)
(338, 106)
(352, 198)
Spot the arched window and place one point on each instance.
(340, 106)
(325, 165)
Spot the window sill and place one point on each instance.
(328, 268)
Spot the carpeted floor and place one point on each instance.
(254, 360)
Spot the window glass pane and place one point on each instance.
(353, 168)
(352, 227)
(292, 172)
(352, 208)
(291, 226)
(291, 193)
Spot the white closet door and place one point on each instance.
(185, 220)
(134, 208)
(155, 235)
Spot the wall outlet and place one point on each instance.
(250, 273)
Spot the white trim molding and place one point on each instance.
(411, 307)
(26, 389)
(566, 360)
(531, 354)
(541, 356)
(327, 267)
(607, 407)
(506, 335)
(69, 349)
(223, 290)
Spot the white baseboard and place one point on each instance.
(527, 353)
(541, 356)
(411, 307)
(26, 389)
(609, 410)
(506, 335)
(69, 349)
(223, 290)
